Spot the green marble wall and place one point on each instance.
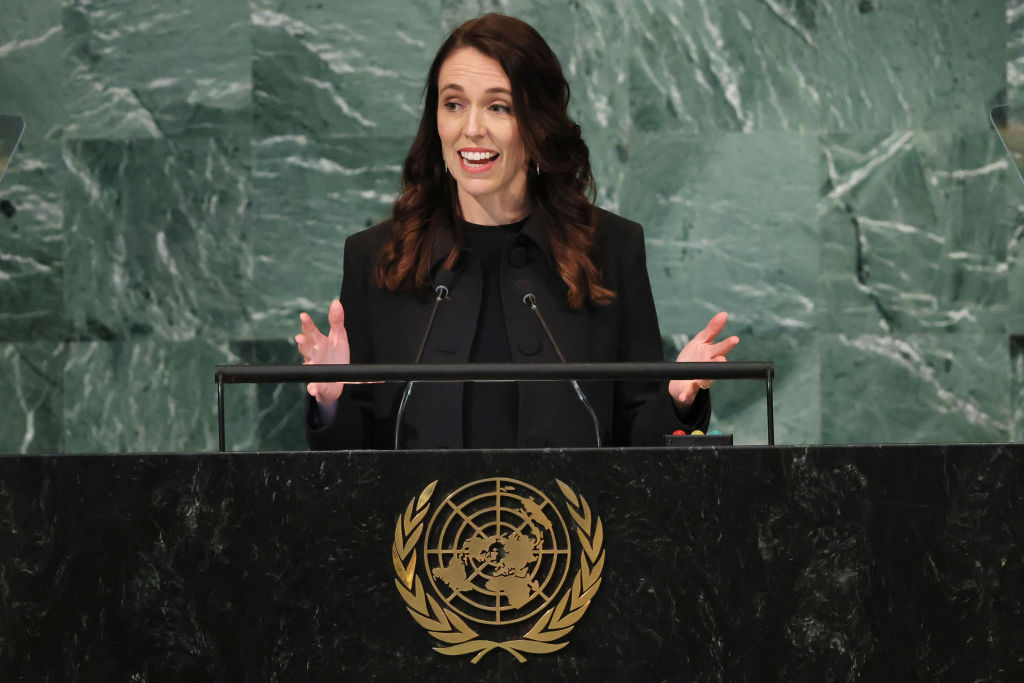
(823, 169)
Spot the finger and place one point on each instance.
(336, 315)
(723, 347)
(714, 327)
(309, 328)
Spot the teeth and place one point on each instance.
(478, 156)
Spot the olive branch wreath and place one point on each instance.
(448, 627)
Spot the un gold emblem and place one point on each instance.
(497, 553)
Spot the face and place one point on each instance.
(480, 138)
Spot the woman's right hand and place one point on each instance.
(319, 349)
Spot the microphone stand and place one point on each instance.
(440, 291)
(531, 302)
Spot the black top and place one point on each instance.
(379, 321)
(490, 409)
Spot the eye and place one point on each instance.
(451, 106)
(501, 108)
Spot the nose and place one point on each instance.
(475, 127)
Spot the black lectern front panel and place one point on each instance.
(797, 563)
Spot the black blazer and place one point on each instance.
(384, 327)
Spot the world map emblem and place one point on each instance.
(499, 554)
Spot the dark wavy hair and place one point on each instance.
(561, 195)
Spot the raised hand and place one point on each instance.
(316, 348)
(702, 348)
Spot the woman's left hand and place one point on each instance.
(701, 349)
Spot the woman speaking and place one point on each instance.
(496, 204)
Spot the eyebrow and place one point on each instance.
(455, 86)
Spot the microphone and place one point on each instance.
(530, 301)
(442, 288)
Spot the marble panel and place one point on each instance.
(308, 196)
(915, 227)
(151, 395)
(1015, 254)
(31, 242)
(276, 410)
(32, 375)
(915, 388)
(736, 65)
(32, 246)
(729, 226)
(554, 20)
(910, 65)
(31, 55)
(1014, 51)
(334, 69)
(596, 62)
(888, 235)
(747, 247)
(148, 69)
(156, 240)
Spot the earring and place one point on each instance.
(538, 167)
(445, 162)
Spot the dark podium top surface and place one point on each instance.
(740, 563)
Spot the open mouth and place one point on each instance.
(477, 160)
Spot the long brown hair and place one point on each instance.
(560, 195)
